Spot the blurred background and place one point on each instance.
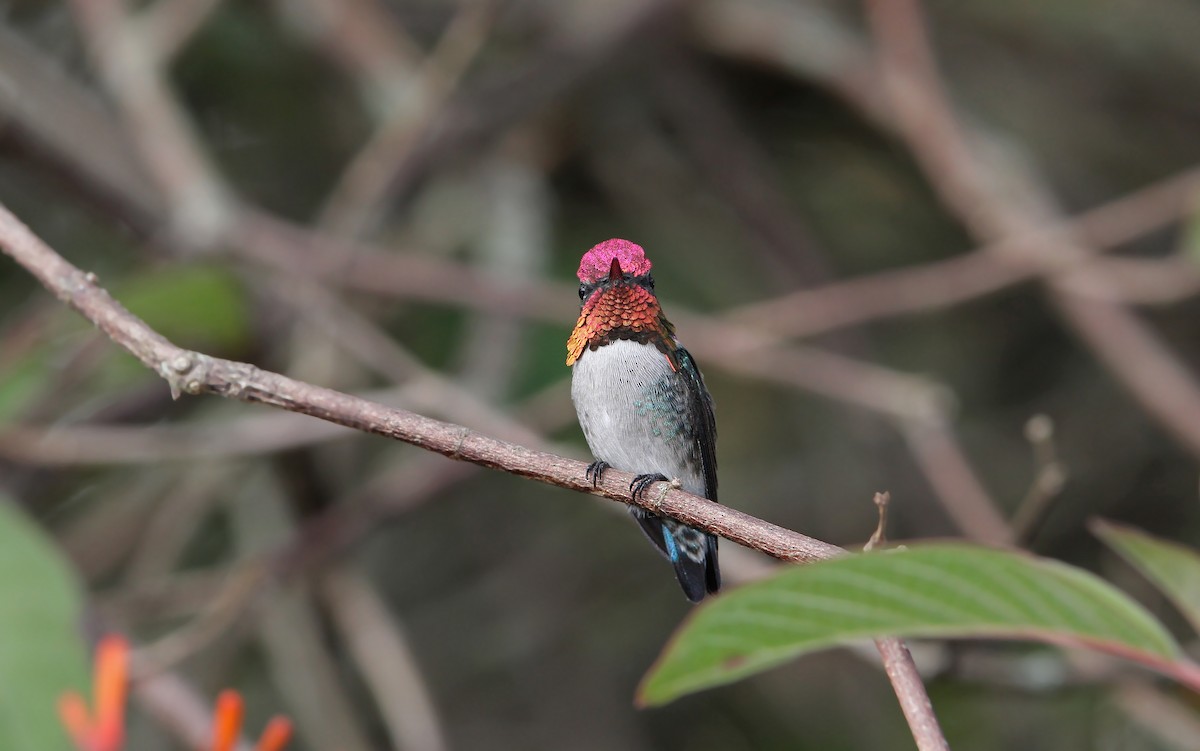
(972, 285)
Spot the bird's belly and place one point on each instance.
(634, 411)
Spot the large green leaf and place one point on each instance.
(1171, 567)
(931, 591)
(41, 651)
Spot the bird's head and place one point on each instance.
(617, 298)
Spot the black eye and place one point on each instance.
(649, 281)
(582, 291)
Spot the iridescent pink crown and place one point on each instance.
(597, 262)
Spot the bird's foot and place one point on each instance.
(642, 482)
(594, 471)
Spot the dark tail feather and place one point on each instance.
(712, 572)
(691, 575)
(693, 553)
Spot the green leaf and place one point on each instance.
(1171, 567)
(41, 651)
(198, 306)
(928, 591)
(21, 384)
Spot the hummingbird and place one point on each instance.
(642, 402)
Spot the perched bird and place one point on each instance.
(642, 403)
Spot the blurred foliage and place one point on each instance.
(41, 655)
(531, 614)
(1174, 569)
(198, 307)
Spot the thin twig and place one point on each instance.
(1049, 476)
(879, 536)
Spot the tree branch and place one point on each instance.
(997, 199)
(195, 373)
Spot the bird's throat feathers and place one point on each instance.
(621, 311)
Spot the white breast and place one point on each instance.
(633, 409)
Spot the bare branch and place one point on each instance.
(168, 25)
(380, 648)
(360, 193)
(914, 701)
(999, 200)
(945, 465)
(200, 204)
(998, 265)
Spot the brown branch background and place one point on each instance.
(891, 240)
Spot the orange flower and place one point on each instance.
(227, 720)
(276, 734)
(106, 730)
(227, 723)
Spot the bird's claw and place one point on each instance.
(642, 482)
(594, 471)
